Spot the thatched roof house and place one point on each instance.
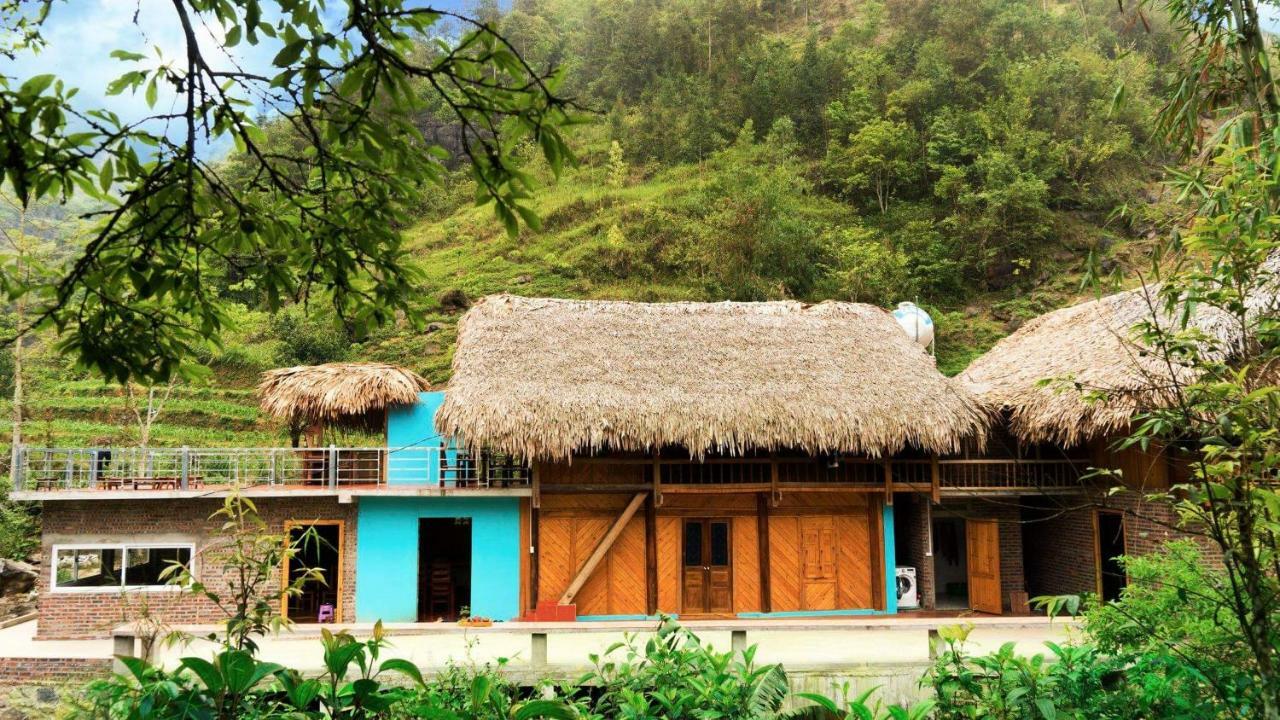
(1049, 377)
(548, 379)
(351, 394)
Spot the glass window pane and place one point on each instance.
(693, 543)
(719, 543)
(147, 565)
(88, 567)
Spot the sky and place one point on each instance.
(81, 34)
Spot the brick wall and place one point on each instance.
(94, 614)
(19, 671)
(1058, 543)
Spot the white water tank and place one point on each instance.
(915, 322)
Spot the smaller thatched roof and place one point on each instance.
(549, 379)
(353, 394)
(1050, 375)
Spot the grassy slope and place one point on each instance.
(468, 251)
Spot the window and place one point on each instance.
(115, 567)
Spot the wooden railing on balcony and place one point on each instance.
(53, 469)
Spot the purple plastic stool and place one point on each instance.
(325, 614)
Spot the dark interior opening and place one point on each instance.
(444, 568)
(1110, 549)
(950, 563)
(320, 550)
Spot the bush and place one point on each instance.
(19, 530)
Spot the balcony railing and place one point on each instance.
(143, 469)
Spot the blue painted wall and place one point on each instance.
(387, 555)
(415, 442)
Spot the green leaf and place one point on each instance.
(204, 670)
(127, 55)
(289, 54)
(153, 91)
(553, 709)
(403, 667)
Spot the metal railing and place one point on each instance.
(49, 469)
(990, 473)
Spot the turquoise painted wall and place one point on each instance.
(387, 555)
(415, 442)
(890, 563)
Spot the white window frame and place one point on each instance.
(124, 548)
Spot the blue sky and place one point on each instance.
(81, 34)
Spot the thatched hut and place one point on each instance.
(548, 379)
(1080, 373)
(352, 395)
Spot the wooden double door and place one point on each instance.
(708, 568)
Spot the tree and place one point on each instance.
(1214, 331)
(878, 158)
(315, 217)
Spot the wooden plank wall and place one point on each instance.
(822, 546)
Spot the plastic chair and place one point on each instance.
(326, 614)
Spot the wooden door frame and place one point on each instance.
(999, 577)
(706, 521)
(1097, 543)
(289, 525)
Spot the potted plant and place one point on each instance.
(466, 619)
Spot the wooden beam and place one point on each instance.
(657, 481)
(589, 489)
(774, 495)
(651, 555)
(602, 548)
(762, 533)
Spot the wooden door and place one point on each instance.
(707, 573)
(818, 550)
(982, 538)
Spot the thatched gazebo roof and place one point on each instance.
(1049, 376)
(548, 379)
(349, 394)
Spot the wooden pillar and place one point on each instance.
(534, 559)
(651, 555)
(762, 534)
(935, 481)
(888, 482)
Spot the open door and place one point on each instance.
(1110, 548)
(318, 546)
(983, 545)
(708, 577)
(444, 568)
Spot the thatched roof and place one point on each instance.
(548, 379)
(1049, 377)
(351, 394)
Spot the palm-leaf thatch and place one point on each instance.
(1082, 372)
(351, 394)
(547, 379)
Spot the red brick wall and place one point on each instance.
(1058, 543)
(18, 671)
(84, 615)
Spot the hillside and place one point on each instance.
(970, 157)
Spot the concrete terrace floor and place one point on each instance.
(802, 644)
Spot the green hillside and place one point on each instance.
(971, 157)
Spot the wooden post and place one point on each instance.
(888, 482)
(657, 481)
(651, 555)
(935, 481)
(775, 495)
(534, 559)
(762, 536)
(537, 485)
(602, 548)
(186, 467)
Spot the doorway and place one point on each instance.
(318, 547)
(1110, 544)
(444, 568)
(708, 575)
(950, 564)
